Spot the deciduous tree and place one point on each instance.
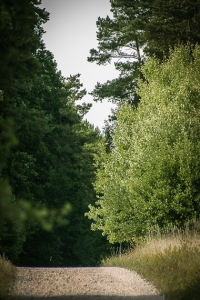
(150, 178)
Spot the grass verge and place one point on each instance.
(7, 277)
(171, 263)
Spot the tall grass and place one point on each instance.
(170, 262)
(7, 277)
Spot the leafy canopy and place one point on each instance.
(151, 176)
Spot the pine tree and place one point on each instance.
(137, 30)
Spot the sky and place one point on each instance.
(70, 34)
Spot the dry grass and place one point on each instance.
(171, 263)
(7, 277)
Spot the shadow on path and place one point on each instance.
(90, 297)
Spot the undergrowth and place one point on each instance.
(170, 262)
(7, 277)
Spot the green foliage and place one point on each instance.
(21, 31)
(7, 140)
(170, 24)
(120, 39)
(151, 176)
(46, 161)
(140, 29)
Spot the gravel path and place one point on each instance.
(82, 283)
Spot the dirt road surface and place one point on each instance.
(99, 283)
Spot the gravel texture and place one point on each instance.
(82, 283)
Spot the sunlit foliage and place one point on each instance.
(151, 177)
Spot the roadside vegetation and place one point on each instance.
(171, 262)
(7, 277)
(142, 171)
(148, 167)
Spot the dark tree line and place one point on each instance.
(46, 150)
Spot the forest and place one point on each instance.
(68, 192)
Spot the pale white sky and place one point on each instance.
(70, 34)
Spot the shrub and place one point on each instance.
(7, 277)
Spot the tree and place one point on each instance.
(150, 179)
(46, 147)
(170, 24)
(20, 33)
(140, 29)
(121, 39)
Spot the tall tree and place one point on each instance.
(171, 23)
(121, 39)
(51, 159)
(139, 29)
(151, 177)
(20, 32)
